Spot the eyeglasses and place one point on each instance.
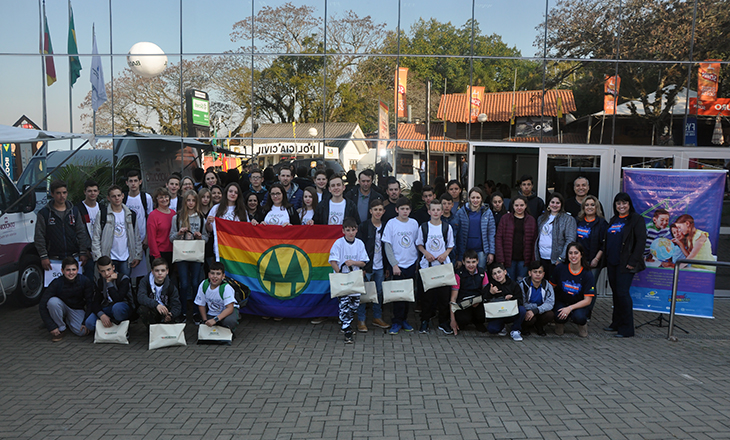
(275, 194)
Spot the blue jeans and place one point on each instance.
(122, 267)
(189, 274)
(482, 260)
(378, 276)
(496, 325)
(118, 312)
(516, 271)
(578, 316)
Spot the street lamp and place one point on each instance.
(482, 118)
(312, 132)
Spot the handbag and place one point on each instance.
(116, 334)
(214, 335)
(343, 284)
(371, 293)
(167, 335)
(500, 309)
(465, 303)
(188, 250)
(437, 276)
(398, 290)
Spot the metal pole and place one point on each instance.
(42, 13)
(689, 73)
(70, 90)
(673, 302)
(428, 130)
(615, 97)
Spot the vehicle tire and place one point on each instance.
(30, 282)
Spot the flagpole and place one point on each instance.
(42, 12)
(70, 89)
(93, 39)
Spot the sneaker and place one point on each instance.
(361, 327)
(481, 328)
(394, 329)
(317, 321)
(266, 317)
(424, 327)
(503, 332)
(516, 335)
(406, 327)
(58, 338)
(278, 319)
(446, 328)
(377, 322)
(348, 337)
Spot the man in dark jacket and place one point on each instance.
(59, 231)
(534, 203)
(159, 301)
(363, 193)
(113, 302)
(337, 208)
(65, 301)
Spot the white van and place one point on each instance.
(21, 275)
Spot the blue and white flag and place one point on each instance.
(98, 90)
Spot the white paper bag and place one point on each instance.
(437, 276)
(501, 309)
(398, 290)
(343, 284)
(188, 250)
(216, 333)
(116, 334)
(167, 335)
(371, 293)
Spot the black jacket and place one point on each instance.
(633, 241)
(76, 294)
(322, 213)
(146, 296)
(119, 291)
(366, 233)
(354, 193)
(470, 284)
(60, 234)
(509, 287)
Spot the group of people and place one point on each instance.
(545, 256)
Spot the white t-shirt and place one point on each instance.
(277, 216)
(228, 215)
(546, 238)
(212, 298)
(319, 197)
(337, 213)
(307, 215)
(135, 204)
(120, 248)
(435, 243)
(158, 289)
(342, 251)
(402, 236)
(173, 204)
(93, 212)
(378, 253)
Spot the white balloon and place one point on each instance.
(146, 59)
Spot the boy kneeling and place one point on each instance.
(219, 299)
(159, 301)
(113, 301)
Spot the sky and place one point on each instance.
(206, 27)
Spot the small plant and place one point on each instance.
(75, 175)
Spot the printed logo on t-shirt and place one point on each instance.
(583, 231)
(615, 228)
(405, 240)
(571, 288)
(118, 230)
(435, 243)
(335, 218)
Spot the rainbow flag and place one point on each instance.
(286, 268)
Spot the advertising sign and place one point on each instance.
(401, 83)
(6, 155)
(289, 148)
(690, 132)
(383, 131)
(682, 210)
(610, 94)
(201, 112)
(197, 113)
(720, 106)
(707, 81)
(475, 103)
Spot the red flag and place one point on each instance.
(401, 85)
(477, 94)
(610, 91)
(47, 49)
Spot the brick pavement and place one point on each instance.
(293, 380)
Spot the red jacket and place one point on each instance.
(505, 239)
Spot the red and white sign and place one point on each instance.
(721, 106)
(383, 131)
(401, 87)
(475, 104)
(707, 81)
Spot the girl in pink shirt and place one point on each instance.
(159, 224)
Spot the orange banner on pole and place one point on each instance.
(475, 103)
(383, 128)
(610, 91)
(401, 84)
(720, 106)
(707, 81)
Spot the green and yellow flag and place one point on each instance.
(73, 48)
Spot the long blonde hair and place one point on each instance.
(183, 217)
(582, 213)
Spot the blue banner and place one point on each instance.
(682, 211)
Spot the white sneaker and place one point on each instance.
(516, 335)
(503, 332)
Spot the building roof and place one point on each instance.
(564, 138)
(497, 106)
(413, 137)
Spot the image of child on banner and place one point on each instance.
(676, 248)
(697, 242)
(658, 228)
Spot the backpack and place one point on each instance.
(444, 231)
(142, 198)
(241, 292)
(103, 215)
